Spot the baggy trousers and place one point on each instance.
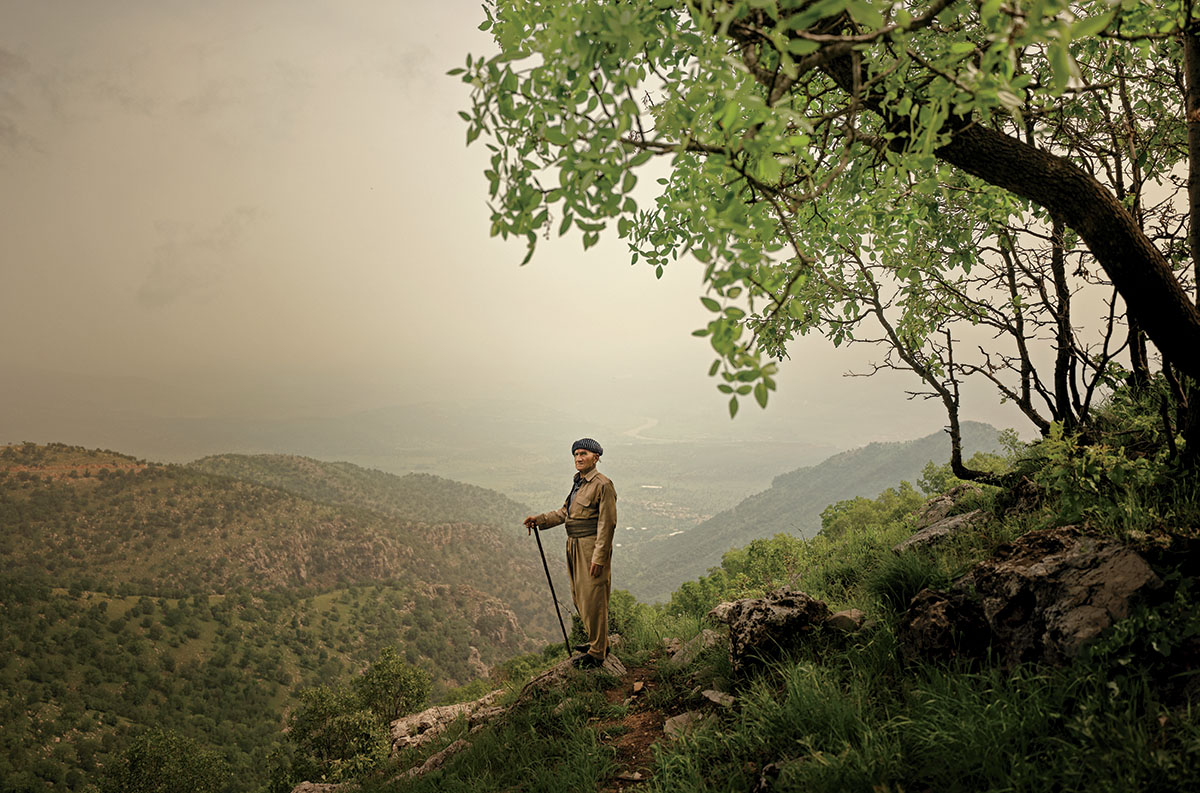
(590, 594)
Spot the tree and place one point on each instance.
(161, 761)
(335, 735)
(392, 688)
(876, 171)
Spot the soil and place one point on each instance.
(633, 736)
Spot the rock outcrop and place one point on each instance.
(421, 728)
(437, 760)
(936, 532)
(760, 628)
(939, 508)
(847, 621)
(934, 522)
(1043, 598)
(685, 654)
(555, 675)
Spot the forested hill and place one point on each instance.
(793, 505)
(417, 497)
(136, 594)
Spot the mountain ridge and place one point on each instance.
(793, 504)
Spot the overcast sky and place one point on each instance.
(268, 206)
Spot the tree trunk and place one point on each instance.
(1138, 270)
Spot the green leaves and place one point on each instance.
(810, 201)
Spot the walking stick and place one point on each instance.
(566, 642)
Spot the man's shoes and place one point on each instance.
(586, 661)
(583, 648)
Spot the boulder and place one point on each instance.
(938, 508)
(719, 697)
(439, 759)
(941, 626)
(686, 654)
(1043, 598)
(940, 530)
(421, 728)
(557, 674)
(847, 621)
(315, 787)
(762, 627)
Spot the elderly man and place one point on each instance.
(590, 513)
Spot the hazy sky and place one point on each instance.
(268, 206)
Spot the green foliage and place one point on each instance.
(392, 688)
(936, 479)
(867, 516)
(1096, 482)
(161, 761)
(782, 155)
(103, 630)
(1118, 472)
(899, 577)
(337, 736)
(542, 747)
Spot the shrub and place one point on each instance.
(392, 688)
(161, 761)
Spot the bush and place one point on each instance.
(335, 736)
(392, 688)
(161, 761)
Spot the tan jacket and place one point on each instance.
(596, 499)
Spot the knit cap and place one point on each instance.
(587, 444)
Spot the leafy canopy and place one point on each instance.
(800, 147)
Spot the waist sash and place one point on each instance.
(583, 528)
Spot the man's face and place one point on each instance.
(585, 459)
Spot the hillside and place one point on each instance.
(792, 505)
(137, 594)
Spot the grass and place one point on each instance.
(540, 747)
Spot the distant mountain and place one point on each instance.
(793, 505)
(105, 520)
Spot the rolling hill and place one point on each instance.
(198, 598)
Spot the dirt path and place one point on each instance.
(633, 736)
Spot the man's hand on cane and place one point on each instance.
(531, 524)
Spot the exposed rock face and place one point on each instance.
(937, 508)
(847, 621)
(762, 627)
(719, 698)
(940, 530)
(556, 674)
(678, 725)
(942, 625)
(438, 760)
(1043, 598)
(687, 653)
(420, 728)
(476, 663)
(315, 787)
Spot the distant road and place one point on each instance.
(649, 423)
